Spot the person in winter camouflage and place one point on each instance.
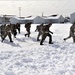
(18, 27)
(39, 29)
(13, 30)
(2, 30)
(6, 31)
(46, 32)
(71, 33)
(28, 26)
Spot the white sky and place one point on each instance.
(36, 7)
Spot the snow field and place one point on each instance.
(25, 56)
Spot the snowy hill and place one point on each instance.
(25, 56)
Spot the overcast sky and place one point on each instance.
(36, 7)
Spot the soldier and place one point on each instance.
(28, 26)
(71, 33)
(2, 30)
(46, 32)
(39, 29)
(6, 31)
(18, 27)
(14, 31)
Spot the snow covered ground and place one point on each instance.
(25, 56)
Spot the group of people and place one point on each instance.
(8, 30)
(43, 31)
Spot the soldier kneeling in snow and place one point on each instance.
(72, 33)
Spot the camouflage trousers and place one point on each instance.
(3, 36)
(44, 35)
